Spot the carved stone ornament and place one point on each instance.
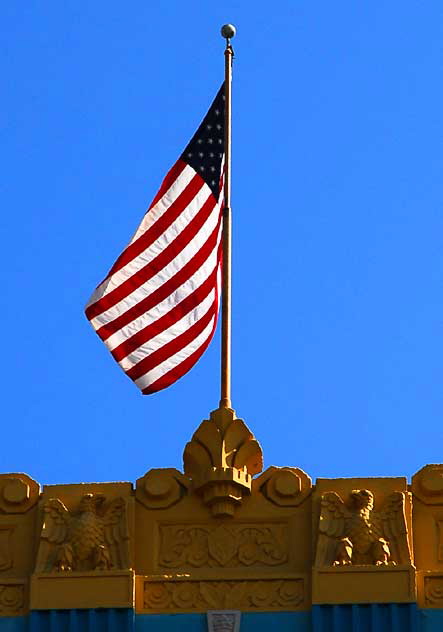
(284, 486)
(223, 620)
(18, 493)
(93, 537)
(353, 533)
(427, 484)
(228, 546)
(12, 597)
(221, 459)
(161, 488)
(434, 591)
(200, 596)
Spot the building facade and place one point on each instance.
(223, 547)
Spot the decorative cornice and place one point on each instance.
(288, 545)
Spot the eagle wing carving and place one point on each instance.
(333, 526)
(116, 532)
(390, 524)
(55, 528)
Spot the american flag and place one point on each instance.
(156, 310)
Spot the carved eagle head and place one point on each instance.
(363, 499)
(91, 502)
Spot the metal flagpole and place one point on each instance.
(227, 31)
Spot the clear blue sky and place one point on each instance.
(337, 200)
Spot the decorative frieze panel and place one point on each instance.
(232, 545)
(200, 596)
(287, 546)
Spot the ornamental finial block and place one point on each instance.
(221, 460)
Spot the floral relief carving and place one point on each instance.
(225, 546)
(11, 598)
(434, 591)
(200, 596)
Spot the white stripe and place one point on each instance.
(189, 286)
(166, 336)
(151, 216)
(155, 282)
(159, 245)
(154, 374)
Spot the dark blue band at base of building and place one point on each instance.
(342, 618)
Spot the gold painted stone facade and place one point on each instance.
(221, 536)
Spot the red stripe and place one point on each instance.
(164, 290)
(172, 175)
(163, 222)
(149, 236)
(178, 371)
(166, 321)
(157, 264)
(173, 346)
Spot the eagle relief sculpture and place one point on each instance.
(92, 538)
(353, 533)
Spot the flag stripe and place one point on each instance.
(165, 306)
(157, 268)
(164, 290)
(188, 360)
(164, 321)
(171, 347)
(177, 363)
(172, 332)
(155, 228)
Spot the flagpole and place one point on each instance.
(227, 31)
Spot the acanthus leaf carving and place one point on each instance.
(184, 546)
(221, 459)
(222, 545)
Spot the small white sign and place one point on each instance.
(223, 620)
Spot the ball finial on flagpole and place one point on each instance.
(228, 31)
